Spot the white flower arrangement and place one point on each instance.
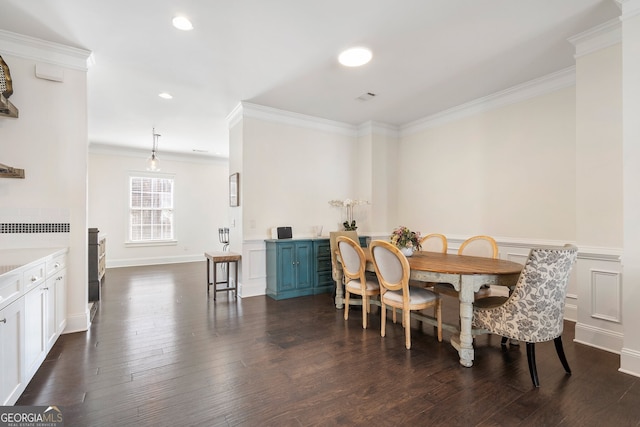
(348, 204)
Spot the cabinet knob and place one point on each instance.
(56, 265)
(45, 289)
(3, 320)
(34, 278)
(59, 278)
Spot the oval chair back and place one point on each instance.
(482, 246)
(354, 270)
(434, 242)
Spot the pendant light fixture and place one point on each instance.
(153, 163)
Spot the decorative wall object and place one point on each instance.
(6, 87)
(6, 90)
(9, 172)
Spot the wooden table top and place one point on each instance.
(459, 264)
(222, 256)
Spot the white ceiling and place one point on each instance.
(428, 55)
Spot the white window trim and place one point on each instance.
(148, 243)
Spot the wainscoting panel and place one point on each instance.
(600, 322)
(253, 277)
(606, 295)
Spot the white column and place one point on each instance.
(630, 354)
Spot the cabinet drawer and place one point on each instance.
(10, 289)
(324, 264)
(34, 276)
(56, 264)
(324, 250)
(325, 279)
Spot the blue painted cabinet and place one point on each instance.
(290, 268)
(323, 282)
(299, 267)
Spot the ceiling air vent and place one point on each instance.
(366, 96)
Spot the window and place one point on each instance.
(150, 209)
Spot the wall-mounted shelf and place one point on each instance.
(9, 172)
(7, 109)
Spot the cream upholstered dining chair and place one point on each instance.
(534, 312)
(392, 269)
(481, 246)
(484, 246)
(355, 277)
(336, 267)
(434, 242)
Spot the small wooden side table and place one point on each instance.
(226, 258)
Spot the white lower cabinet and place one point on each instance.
(11, 352)
(59, 306)
(31, 324)
(35, 350)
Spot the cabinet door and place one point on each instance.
(49, 315)
(11, 352)
(286, 267)
(304, 265)
(61, 301)
(35, 306)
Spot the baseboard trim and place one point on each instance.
(599, 338)
(138, 262)
(571, 312)
(247, 291)
(630, 362)
(79, 322)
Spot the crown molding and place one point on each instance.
(378, 128)
(120, 150)
(44, 51)
(270, 114)
(235, 116)
(599, 37)
(531, 89)
(630, 8)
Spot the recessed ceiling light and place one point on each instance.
(182, 23)
(165, 95)
(355, 57)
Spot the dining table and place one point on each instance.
(467, 274)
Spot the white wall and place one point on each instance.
(507, 172)
(48, 141)
(201, 200)
(599, 198)
(290, 174)
(599, 147)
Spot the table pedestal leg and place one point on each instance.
(465, 348)
(339, 295)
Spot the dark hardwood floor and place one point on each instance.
(162, 353)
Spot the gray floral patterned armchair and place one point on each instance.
(535, 309)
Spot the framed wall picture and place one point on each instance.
(234, 197)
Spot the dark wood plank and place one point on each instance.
(160, 352)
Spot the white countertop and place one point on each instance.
(11, 259)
